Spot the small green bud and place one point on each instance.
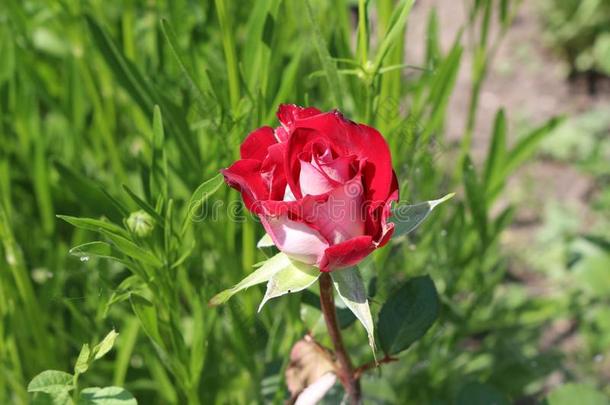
(140, 223)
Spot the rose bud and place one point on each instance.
(321, 185)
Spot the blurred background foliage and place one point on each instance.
(81, 136)
(579, 29)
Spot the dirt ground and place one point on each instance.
(527, 78)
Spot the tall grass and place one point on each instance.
(108, 109)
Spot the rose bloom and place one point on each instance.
(321, 185)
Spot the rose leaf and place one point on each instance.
(294, 277)
(408, 217)
(408, 314)
(262, 274)
(350, 287)
(265, 241)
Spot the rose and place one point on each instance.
(321, 185)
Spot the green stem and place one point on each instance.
(193, 397)
(362, 32)
(228, 43)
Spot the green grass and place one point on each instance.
(106, 110)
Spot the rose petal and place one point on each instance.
(347, 254)
(312, 181)
(256, 144)
(272, 171)
(388, 227)
(345, 138)
(289, 113)
(378, 172)
(340, 217)
(338, 169)
(295, 239)
(244, 176)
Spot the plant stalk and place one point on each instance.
(345, 371)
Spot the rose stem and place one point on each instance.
(360, 370)
(346, 371)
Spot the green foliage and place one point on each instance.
(480, 394)
(577, 393)
(51, 382)
(408, 314)
(52, 386)
(110, 112)
(580, 30)
(407, 218)
(106, 396)
(352, 292)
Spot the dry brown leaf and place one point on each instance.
(309, 362)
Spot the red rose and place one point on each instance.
(322, 186)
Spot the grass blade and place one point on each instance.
(328, 64)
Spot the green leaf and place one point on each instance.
(407, 314)
(577, 394)
(106, 396)
(293, 278)
(92, 224)
(203, 97)
(100, 250)
(140, 89)
(123, 70)
(433, 47)
(90, 193)
(497, 154)
(51, 381)
(158, 164)
(475, 197)
(397, 23)
(147, 314)
(259, 38)
(132, 250)
(480, 394)
(7, 49)
(200, 196)
(290, 76)
(92, 249)
(105, 345)
(144, 205)
(590, 272)
(56, 398)
(328, 64)
(123, 291)
(441, 88)
(265, 241)
(408, 217)
(528, 144)
(228, 42)
(260, 275)
(82, 362)
(352, 292)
